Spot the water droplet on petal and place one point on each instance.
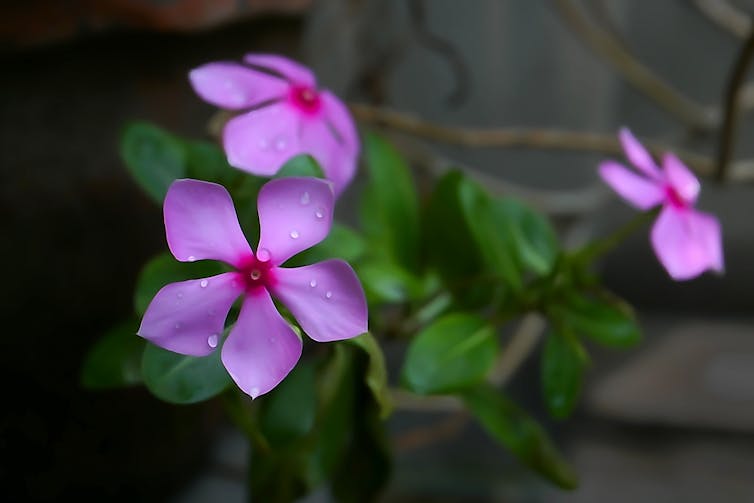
(313, 283)
(177, 326)
(254, 392)
(294, 234)
(211, 313)
(320, 213)
(203, 283)
(280, 144)
(328, 295)
(180, 295)
(191, 258)
(305, 198)
(212, 340)
(263, 144)
(263, 255)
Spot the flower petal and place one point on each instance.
(680, 178)
(325, 298)
(233, 86)
(189, 317)
(638, 155)
(293, 71)
(201, 223)
(341, 121)
(262, 140)
(262, 348)
(639, 191)
(294, 214)
(687, 242)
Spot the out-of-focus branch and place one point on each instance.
(726, 16)
(731, 108)
(639, 75)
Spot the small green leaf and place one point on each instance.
(154, 157)
(533, 238)
(562, 368)
(183, 379)
(611, 323)
(342, 242)
(164, 269)
(301, 165)
(207, 161)
(519, 433)
(115, 359)
(390, 207)
(289, 409)
(376, 373)
(453, 353)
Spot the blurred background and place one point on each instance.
(672, 419)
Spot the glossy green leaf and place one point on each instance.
(301, 165)
(533, 238)
(288, 410)
(562, 369)
(453, 353)
(182, 379)
(114, 361)
(376, 371)
(154, 157)
(164, 269)
(390, 207)
(608, 322)
(519, 433)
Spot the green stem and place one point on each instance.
(601, 246)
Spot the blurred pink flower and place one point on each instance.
(686, 241)
(286, 115)
(326, 298)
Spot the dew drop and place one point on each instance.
(177, 326)
(305, 198)
(320, 213)
(211, 313)
(328, 295)
(263, 144)
(203, 283)
(179, 295)
(191, 258)
(313, 283)
(280, 144)
(263, 255)
(294, 234)
(212, 340)
(254, 392)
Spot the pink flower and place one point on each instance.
(326, 298)
(288, 115)
(686, 241)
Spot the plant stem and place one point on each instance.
(601, 246)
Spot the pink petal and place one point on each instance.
(294, 214)
(233, 86)
(341, 120)
(262, 140)
(293, 71)
(201, 223)
(687, 242)
(680, 178)
(262, 348)
(639, 191)
(638, 155)
(325, 298)
(189, 317)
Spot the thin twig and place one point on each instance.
(731, 110)
(726, 16)
(635, 72)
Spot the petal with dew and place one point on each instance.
(294, 214)
(233, 86)
(640, 192)
(261, 348)
(201, 223)
(687, 242)
(189, 317)
(325, 298)
(681, 179)
(295, 72)
(262, 140)
(638, 155)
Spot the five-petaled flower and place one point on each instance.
(286, 115)
(326, 298)
(686, 241)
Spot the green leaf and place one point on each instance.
(519, 433)
(376, 372)
(207, 161)
(115, 359)
(342, 243)
(562, 368)
(390, 207)
(386, 282)
(533, 238)
(301, 165)
(289, 409)
(164, 269)
(154, 157)
(183, 379)
(453, 353)
(611, 323)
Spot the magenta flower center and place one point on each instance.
(675, 199)
(257, 272)
(306, 99)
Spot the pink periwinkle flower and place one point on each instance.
(326, 298)
(686, 241)
(286, 115)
